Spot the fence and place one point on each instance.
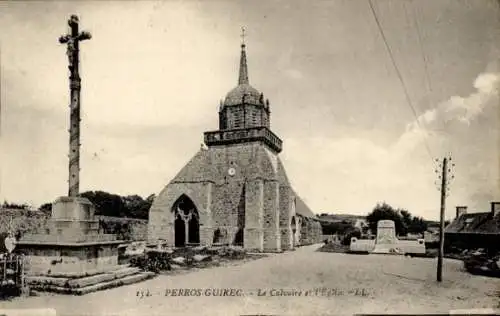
(11, 274)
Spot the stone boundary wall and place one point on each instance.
(35, 222)
(127, 228)
(23, 221)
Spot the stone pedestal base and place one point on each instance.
(72, 208)
(73, 248)
(70, 260)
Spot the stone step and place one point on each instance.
(79, 274)
(115, 283)
(117, 274)
(129, 279)
(40, 281)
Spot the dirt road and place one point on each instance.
(352, 284)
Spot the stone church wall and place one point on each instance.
(254, 215)
(161, 215)
(256, 199)
(286, 200)
(272, 238)
(310, 231)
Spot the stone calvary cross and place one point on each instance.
(72, 40)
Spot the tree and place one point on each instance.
(406, 218)
(403, 220)
(137, 207)
(106, 204)
(15, 206)
(46, 208)
(417, 226)
(385, 212)
(354, 232)
(339, 228)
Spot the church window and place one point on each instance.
(254, 118)
(237, 119)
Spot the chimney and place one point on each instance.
(461, 210)
(495, 208)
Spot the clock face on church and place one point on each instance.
(231, 171)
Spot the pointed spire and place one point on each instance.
(243, 75)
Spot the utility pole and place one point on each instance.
(444, 174)
(72, 40)
(445, 170)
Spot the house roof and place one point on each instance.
(475, 223)
(341, 217)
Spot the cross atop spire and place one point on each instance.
(243, 35)
(243, 74)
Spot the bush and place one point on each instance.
(227, 252)
(153, 261)
(347, 237)
(9, 290)
(482, 263)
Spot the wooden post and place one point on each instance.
(444, 176)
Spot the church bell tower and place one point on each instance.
(244, 115)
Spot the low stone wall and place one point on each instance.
(23, 221)
(126, 228)
(36, 222)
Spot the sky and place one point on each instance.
(153, 75)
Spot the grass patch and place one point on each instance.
(334, 247)
(192, 258)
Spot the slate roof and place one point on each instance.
(341, 217)
(475, 223)
(301, 207)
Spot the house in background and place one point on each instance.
(474, 230)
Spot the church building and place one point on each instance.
(235, 190)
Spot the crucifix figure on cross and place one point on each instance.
(242, 35)
(72, 40)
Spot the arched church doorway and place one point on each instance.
(180, 232)
(217, 236)
(238, 238)
(187, 223)
(294, 231)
